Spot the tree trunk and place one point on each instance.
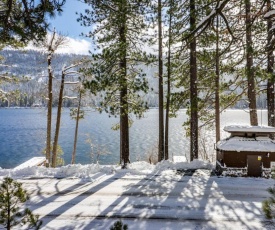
(124, 116)
(50, 101)
(124, 128)
(49, 119)
(270, 82)
(58, 119)
(249, 66)
(166, 150)
(193, 87)
(161, 113)
(217, 86)
(76, 128)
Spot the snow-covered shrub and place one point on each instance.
(151, 154)
(97, 150)
(59, 155)
(206, 144)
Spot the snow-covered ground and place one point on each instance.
(143, 196)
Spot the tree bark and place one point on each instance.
(249, 66)
(50, 101)
(217, 86)
(76, 128)
(166, 147)
(124, 116)
(160, 63)
(193, 87)
(124, 128)
(270, 67)
(58, 119)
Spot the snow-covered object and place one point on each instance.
(166, 200)
(195, 164)
(177, 159)
(90, 170)
(259, 144)
(248, 128)
(35, 161)
(141, 166)
(68, 171)
(269, 14)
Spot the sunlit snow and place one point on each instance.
(144, 196)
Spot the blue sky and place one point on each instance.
(66, 22)
(67, 25)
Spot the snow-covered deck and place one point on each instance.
(35, 161)
(144, 197)
(258, 144)
(157, 202)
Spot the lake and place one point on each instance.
(23, 135)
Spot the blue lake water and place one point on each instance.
(23, 135)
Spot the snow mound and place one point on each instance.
(195, 164)
(89, 170)
(74, 171)
(141, 167)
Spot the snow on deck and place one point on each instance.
(251, 129)
(35, 161)
(144, 196)
(260, 144)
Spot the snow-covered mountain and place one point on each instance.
(32, 65)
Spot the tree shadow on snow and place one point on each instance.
(183, 200)
(179, 202)
(66, 198)
(191, 200)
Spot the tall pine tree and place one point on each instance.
(116, 28)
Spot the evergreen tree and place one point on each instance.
(116, 29)
(214, 88)
(12, 197)
(25, 20)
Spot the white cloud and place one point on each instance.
(73, 46)
(76, 46)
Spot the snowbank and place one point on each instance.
(87, 171)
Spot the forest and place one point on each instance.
(202, 55)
